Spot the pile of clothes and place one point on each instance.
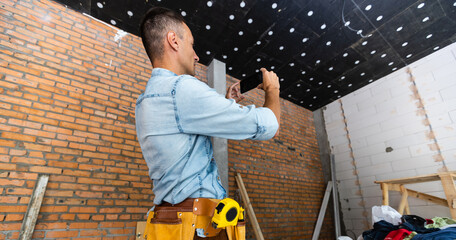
(413, 227)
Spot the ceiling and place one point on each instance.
(320, 49)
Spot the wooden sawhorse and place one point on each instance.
(398, 185)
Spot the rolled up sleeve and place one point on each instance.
(201, 110)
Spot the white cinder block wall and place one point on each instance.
(386, 114)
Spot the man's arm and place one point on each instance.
(271, 88)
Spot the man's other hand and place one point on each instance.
(234, 93)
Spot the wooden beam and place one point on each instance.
(427, 197)
(33, 209)
(417, 179)
(248, 205)
(450, 190)
(385, 193)
(403, 200)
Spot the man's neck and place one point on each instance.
(168, 66)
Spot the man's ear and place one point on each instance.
(172, 40)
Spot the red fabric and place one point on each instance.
(398, 234)
(429, 221)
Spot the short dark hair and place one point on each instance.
(154, 27)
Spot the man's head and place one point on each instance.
(168, 40)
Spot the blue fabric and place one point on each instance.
(444, 234)
(418, 229)
(381, 230)
(175, 118)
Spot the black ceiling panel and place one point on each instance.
(318, 55)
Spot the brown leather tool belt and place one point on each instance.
(199, 206)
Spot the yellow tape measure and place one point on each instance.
(227, 213)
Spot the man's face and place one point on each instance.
(188, 55)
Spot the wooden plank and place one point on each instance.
(321, 215)
(450, 191)
(140, 229)
(385, 193)
(427, 197)
(248, 204)
(28, 224)
(403, 200)
(417, 179)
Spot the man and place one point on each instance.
(176, 116)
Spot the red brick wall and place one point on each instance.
(67, 98)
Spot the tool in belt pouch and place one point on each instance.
(180, 221)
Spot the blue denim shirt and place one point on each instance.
(175, 118)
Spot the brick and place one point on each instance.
(73, 126)
(50, 225)
(38, 147)
(61, 234)
(83, 210)
(16, 136)
(56, 209)
(50, 170)
(8, 199)
(23, 123)
(13, 114)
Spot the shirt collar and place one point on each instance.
(162, 72)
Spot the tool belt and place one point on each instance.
(181, 221)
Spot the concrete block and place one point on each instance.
(369, 150)
(445, 73)
(358, 143)
(336, 128)
(360, 95)
(342, 157)
(451, 104)
(399, 121)
(384, 136)
(427, 187)
(416, 127)
(360, 115)
(422, 149)
(447, 144)
(429, 170)
(425, 161)
(373, 201)
(365, 131)
(395, 155)
(345, 175)
(437, 109)
(431, 211)
(374, 100)
(445, 131)
(341, 148)
(363, 162)
(450, 159)
(440, 120)
(372, 191)
(453, 116)
(344, 166)
(386, 108)
(396, 174)
(432, 62)
(448, 93)
(331, 108)
(368, 181)
(424, 81)
(336, 140)
(374, 170)
(408, 140)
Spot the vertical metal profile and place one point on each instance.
(335, 197)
